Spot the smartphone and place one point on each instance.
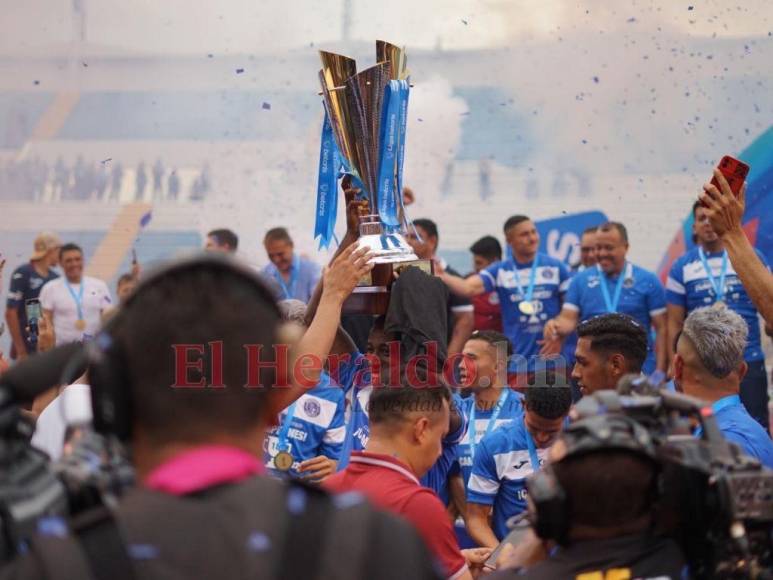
(33, 310)
(735, 172)
(519, 527)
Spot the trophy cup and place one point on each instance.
(366, 114)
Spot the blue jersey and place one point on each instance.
(689, 286)
(642, 297)
(436, 478)
(355, 379)
(26, 284)
(551, 281)
(317, 427)
(740, 428)
(304, 275)
(511, 409)
(502, 464)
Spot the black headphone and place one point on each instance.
(588, 435)
(108, 367)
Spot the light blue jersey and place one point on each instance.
(550, 282)
(690, 287)
(503, 461)
(641, 297)
(316, 428)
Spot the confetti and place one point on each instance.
(35, 82)
(596, 80)
(690, 7)
(106, 161)
(85, 64)
(420, 120)
(584, 141)
(464, 22)
(631, 19)
(239, 71)
(210, 55)
(266, 106)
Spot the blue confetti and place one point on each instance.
(584, 141)
(106, 161)
(239, 71)
(36, 82)
(690, 7)
(210, 55)
(631, 19)
(266, 106)
(420, 120)
(143, 551)
(258, 542)
(145, 219)
(596, 80)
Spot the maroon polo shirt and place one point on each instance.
(390, 485)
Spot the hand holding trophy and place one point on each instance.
(363, 137)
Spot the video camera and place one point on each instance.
(716, 502)
(36, 495)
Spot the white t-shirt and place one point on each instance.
(71, 406)
(55, 296)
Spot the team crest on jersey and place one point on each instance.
(593, 281)
(311, 408)
(493, 298)
(35, 283)
(628, 283)
(547, 274)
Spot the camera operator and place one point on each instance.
(596, 499)
(608, 347)
(203, 509)
(709, 365)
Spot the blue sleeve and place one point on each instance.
(455, 437)
(348, 366)
(573, 292)
(333, 441)
(483, 485)
(16, 290)
(489, 276)
(675, 291)
(564, 277)
(656, 297)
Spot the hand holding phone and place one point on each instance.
(734, 171)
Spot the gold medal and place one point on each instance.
(527, 307)
(283, 461)
(80, 324)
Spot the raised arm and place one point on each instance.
(725, 214)
(339, 279)
(467, 287)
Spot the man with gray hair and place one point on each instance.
(709, 364)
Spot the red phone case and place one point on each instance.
(735, 172)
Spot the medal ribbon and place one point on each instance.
(501, 402)
(78, 299)
(282, 444)
(527, 296)
(533, 457)
(719, 288)
(612, 304)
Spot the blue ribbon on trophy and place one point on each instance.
(327, 186)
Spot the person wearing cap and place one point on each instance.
(74, 303)
(26, 283)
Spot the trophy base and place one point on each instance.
(371, 296)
